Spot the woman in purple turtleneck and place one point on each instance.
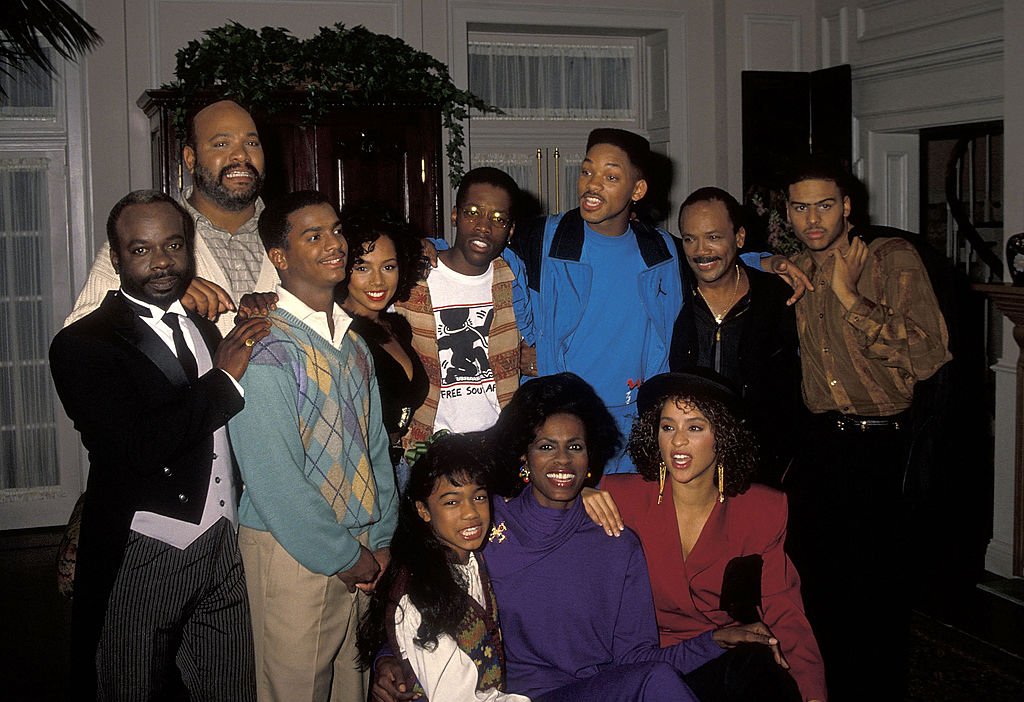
(575, 606)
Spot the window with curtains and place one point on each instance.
(552, 88)
(39, 472)
(555, 80)
(30, 95)
(28, 433)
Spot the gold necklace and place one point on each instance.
(735, 289)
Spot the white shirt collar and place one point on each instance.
(317, 321)
(157, 312)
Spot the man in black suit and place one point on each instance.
(160, 609)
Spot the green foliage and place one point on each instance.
(339, 65)
(23, 22)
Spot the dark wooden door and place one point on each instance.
(788, 114)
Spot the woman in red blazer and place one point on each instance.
(694, 509)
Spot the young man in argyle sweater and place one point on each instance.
(319, 504)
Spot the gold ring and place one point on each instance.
(250, 342)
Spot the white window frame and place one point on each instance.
(57, 139)
(596, 40)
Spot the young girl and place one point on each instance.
(434, 605)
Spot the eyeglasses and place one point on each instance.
(496, 218)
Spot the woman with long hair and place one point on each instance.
(434, 606)
(384, 262)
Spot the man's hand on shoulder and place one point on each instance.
(255, 304)
(235, 350)
(207, 299)
(363, 571)
(790, 272)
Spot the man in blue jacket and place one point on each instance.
(604, 287)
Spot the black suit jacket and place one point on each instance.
(149, 435)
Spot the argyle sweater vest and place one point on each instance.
(332, 409)
(477, 635)
(503, 347)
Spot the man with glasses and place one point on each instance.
(464, 326)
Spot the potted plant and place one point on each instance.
(339, 65)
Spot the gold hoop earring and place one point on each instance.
(721, 482)
(662, 469)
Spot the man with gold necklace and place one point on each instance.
(738, 324)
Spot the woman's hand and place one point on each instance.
(731, 636)
(602, 510)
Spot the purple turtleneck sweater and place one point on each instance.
(573, 601)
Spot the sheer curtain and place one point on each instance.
(554, 81)
(28, 431)
(525, 168)
(30, 94)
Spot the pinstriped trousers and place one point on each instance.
(177, 625)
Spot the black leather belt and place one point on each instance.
(856, 422)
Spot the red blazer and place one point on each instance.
(687, 593)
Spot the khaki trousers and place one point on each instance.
(304, 627)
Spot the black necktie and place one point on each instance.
(185, 357)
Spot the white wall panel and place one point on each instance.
(876, 20)
(764, 35)
(772, 43)
(835, 47)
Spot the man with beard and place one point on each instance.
(869, 332)
(736, 322)
(160, 607)
(224, 156)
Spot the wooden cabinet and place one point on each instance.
(387, 154)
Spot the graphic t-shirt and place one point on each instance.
(463, 312)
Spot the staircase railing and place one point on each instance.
(965, 229)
